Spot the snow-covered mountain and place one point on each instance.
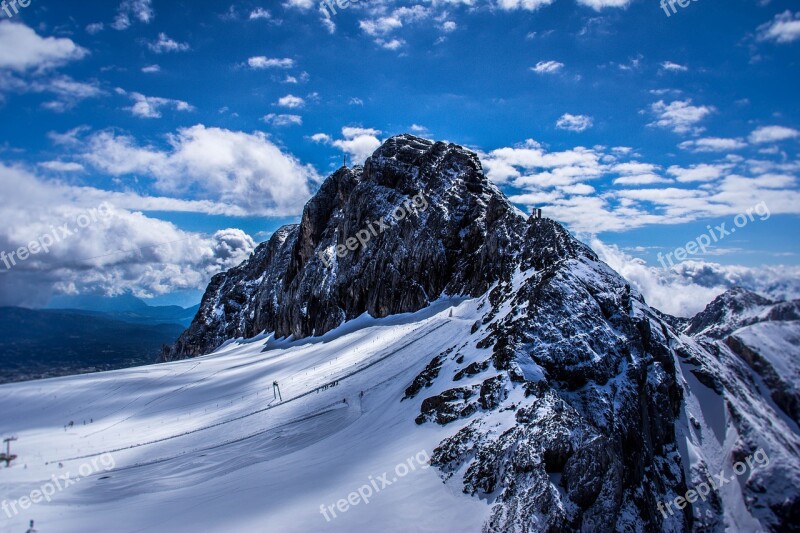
(521, 383)
(762, 333)
(460, 239)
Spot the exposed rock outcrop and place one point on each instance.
(573, 405)
(460, 243)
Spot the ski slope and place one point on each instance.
(202, 445)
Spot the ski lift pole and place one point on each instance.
(7, 457)
(276, 391)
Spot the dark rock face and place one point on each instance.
(460, 243)
(471, 369)
(567, 399)
(601, 399)
(227, 310)
(728, 312)
(427, 376)
(448, 406)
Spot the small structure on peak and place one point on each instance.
(536, 213)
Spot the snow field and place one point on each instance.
(202, 445)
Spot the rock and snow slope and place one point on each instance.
(735, 402)
(460, 243)
(201, 445)
(547, 394)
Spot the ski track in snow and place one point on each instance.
(192, 453)
(271, 406)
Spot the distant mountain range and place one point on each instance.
(126, 308)
(88, 334)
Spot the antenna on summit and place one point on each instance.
(344, 160)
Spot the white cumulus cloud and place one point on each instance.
(687, 288)
(291, 101)
(23, 49)
(771, 134)
(262, 62)
(357, 141)
(680, 116)
(150, 106)
(784, 28)
(283, 119)
(243, 170)
(107, 245)
(527, 5)
(598, 5)
(713, 144)
(141, 10)
(165, 44)
(577, 123)
(547, 67)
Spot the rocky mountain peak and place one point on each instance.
(727, 312)
(418, 220)
(407, 161)
(565, 397)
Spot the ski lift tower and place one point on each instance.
(8, 457)
(276, 391)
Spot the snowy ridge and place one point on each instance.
(547, 394)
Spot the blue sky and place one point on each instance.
(208, 125)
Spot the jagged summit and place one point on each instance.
(727, 312)
(571, 402)
(763, 333)
(462, 237)
(553, 318)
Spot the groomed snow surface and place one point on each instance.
(201, 446)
